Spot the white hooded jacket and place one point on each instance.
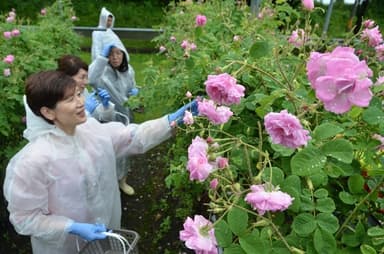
(57, 179)
(105, 36)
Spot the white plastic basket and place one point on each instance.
(117, 242)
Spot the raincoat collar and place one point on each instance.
(36, 125)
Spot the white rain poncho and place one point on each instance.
(56, 178)
(118, 84)
(105, 36)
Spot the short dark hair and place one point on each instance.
(71, 64)
(46, 89)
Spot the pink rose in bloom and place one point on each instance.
(198, 164)
(285, 129)
(372, 35)
(185, 44)
(172, 39)
(201, 20)
(43, 11)
(7, 35)
(192, 46)
(15, 32)
(188, 118)
(308, 4)
(199, 235)
(216, 115)
(263, 200)
(9, 59)
(188, 94)
(368, 23)
(7, 72)
(380, 52)
(223, 89)
(213, 184)
(297, 38)
(162, 49)
(340, 79)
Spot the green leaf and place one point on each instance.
(326, 130)
(276, 173)
(234, 249)
(223, 234)
(324, 242)
(339, 149)
(367, 249)
(307, 162)
(259, 49)
(373, 115)
(304, 224)
(321, 193)
(284, 151)
(252, 243)
(356, 184)
(327, 222)
(325, 205)
(375, 231)
(237, 220)
(347, 198)
(292, 186)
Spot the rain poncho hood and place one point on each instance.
(102, 38)
(57, 179)
(104, 13)
(118, 84)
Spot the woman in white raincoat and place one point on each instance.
(104, 34)
(62, 185)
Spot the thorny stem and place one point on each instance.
(351, 215)
(269, 221)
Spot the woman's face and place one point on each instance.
(69, 112)
(115, 57)
(81, 78)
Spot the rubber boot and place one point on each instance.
(127, 189)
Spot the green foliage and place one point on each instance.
(336, 180)
(35, 49)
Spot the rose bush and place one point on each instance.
(299, 126)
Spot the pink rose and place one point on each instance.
(162, 49)
(7, 35)
(7, 72)
(340, 79)
(201, 20)
(264, 200)
(188, 118)
(43, 11)
(308, 4)
(223, 89)
(216, 115)
(213, 184)
(372, 35)
(297, 38)
(285, 129)
(199, 235)
(9, 59)
(15, 32)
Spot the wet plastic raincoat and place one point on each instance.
(106, 36)
(118, 84)
(56, 178)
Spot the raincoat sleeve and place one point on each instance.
(26, 190)
(96, 69)
(97, 44)
(139, 138)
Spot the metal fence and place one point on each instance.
(145, 34)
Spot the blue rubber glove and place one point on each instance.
(91, 103)
(133, 92)
(87, 231)
(106, 50)
(104, 96)
(179, 114)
